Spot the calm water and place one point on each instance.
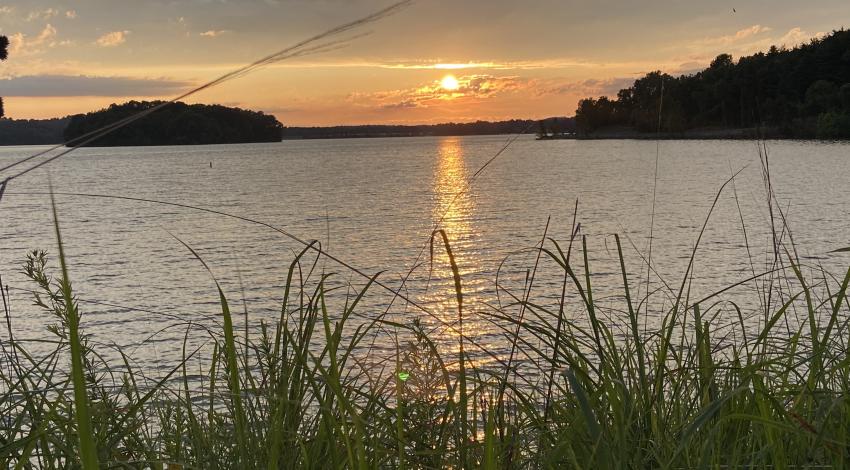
(373, 203)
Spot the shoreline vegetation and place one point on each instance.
(176, 123)
(53, 131)
(628, 133)
(799, 93)
(32, 131)
(584, 386)
(650, 377)
(513, 126)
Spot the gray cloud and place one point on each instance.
(590, 87)
(69, 85)
(406, 104)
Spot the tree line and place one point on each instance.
(176, 124)
(52, 131)
(800, 92)
(4, 54)
(513, 126)
(32, 131)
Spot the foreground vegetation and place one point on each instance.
(575, 391)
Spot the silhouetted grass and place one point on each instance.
(294, 395)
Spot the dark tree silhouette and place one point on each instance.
(801, 92)
(176, 124)
(513, 126)
(4, 45)
(32, 131)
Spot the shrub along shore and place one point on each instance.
(292, 395)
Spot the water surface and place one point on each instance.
(374, 203)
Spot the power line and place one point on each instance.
(296, 50)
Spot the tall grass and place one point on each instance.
(294, 394)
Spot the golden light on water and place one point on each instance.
(454, 210)
(453, 206)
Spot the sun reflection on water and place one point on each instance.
(453, 210)
(451, 203)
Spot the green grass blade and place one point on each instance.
(82, 415)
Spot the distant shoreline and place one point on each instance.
(397, 136)
(749, 133)
(509, 127)
(53, 131)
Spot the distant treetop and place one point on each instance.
(512, 126)
(176, 124)
(4, 45)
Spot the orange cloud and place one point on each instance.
(213, 33)
(740, 35)
(112, 39)
(470, 87)
(21, 45)
(42, 14)
(797, 36)
(587, 88)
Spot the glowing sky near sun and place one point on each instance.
(435, 61)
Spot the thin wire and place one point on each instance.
(281, 55)
(296, 50)
(654, 190)
(311, 246)
(295, 238)
(457, 196)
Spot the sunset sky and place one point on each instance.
(511, 59)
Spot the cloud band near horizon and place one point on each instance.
(81, 85)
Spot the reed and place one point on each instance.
(574, 392)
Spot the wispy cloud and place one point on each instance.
(432, 65)
(590, 87)
(112, 39)
(42, 14)
(484, 65)
(470, 87)
(214, 33)
(797, 36)
(70, 85)
(740, 35)
(21, 45)
(746, 41)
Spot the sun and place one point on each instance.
(449, 83)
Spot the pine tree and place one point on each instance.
(4, 44)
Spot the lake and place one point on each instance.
(373, 204)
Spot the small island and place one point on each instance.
(175, 124)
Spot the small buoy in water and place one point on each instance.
(210, 164)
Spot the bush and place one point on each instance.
(833, 125)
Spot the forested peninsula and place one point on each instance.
(175, 124)
(802, 92)
(32, 131)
